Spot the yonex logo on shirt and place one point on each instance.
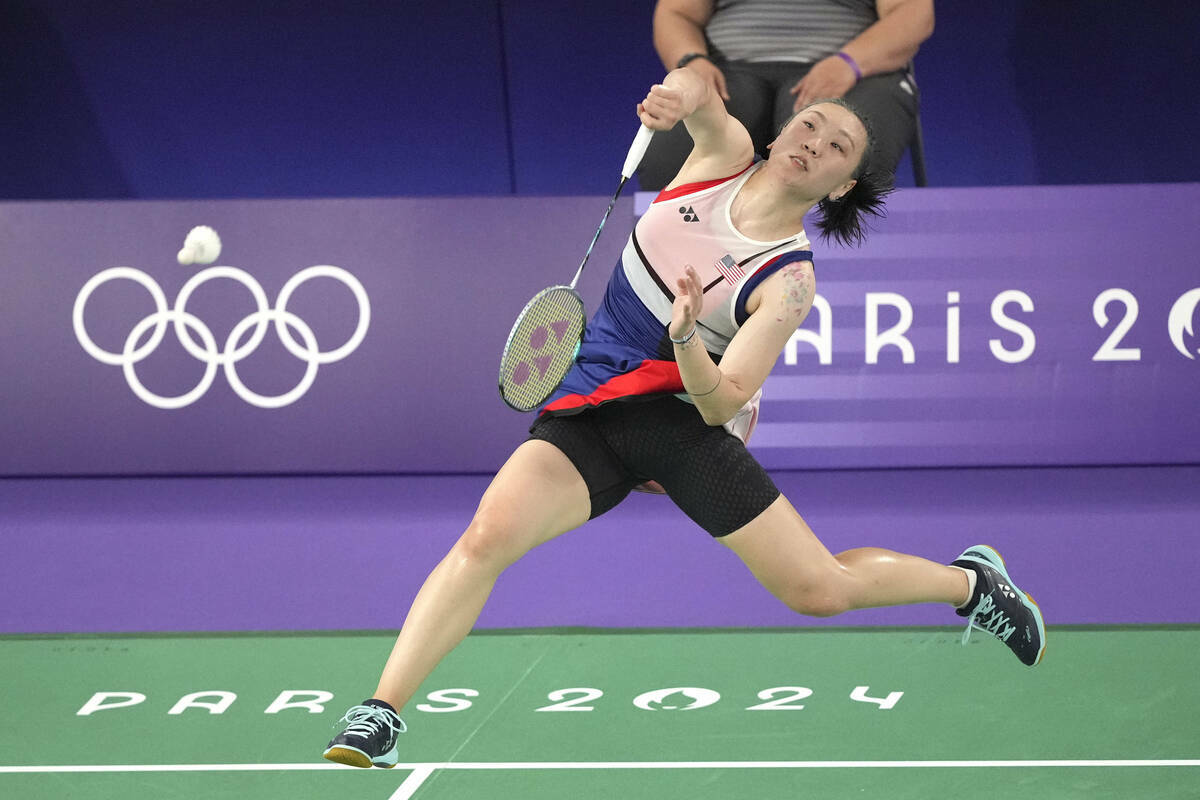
(689, 215)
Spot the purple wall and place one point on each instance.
(444, 278)
(1051, 383)
(1092, 545)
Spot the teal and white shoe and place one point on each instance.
(369, 739)
(998, 607)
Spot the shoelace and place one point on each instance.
(364, 721)
(988, 617)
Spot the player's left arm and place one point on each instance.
(777, 307)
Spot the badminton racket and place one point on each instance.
(545, 339)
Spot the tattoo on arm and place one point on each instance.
(798, 289)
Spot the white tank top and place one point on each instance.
(691, 225)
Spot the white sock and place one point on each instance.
(971, 578)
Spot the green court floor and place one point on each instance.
(894, 713)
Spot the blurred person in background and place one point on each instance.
(769, 58)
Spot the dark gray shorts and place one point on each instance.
(705, 470)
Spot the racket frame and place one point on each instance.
(513, 332)
(632, 159)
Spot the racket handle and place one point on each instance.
(636, 151)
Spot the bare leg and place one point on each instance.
(537, 495)
(788, 559)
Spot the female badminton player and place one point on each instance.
(712, 283)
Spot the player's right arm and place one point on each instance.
(722, 144)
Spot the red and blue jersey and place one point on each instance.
(626, 351)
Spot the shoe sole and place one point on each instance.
(999, 565)
(353, 757)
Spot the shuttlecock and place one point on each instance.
(202, 246)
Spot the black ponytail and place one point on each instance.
(844, 220)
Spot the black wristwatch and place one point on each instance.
(689, 58)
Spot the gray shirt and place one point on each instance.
(786, 30)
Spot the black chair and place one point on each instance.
(916, 147)
(916, 151)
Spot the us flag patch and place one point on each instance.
(729, 269)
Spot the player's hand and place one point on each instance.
(662, 108)
(689, 302)
(829, 77)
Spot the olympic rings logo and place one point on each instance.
(206, 350)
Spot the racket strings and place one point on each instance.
(541, 348)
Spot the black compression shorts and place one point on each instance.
(706, 470)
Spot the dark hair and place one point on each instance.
(844, 219)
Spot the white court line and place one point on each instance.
(413, 782)
(428, 767)
(418, 776)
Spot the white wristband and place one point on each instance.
(685, 339)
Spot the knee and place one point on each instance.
(822, 597)
(490, 541)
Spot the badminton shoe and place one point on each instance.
(369, 738)
(998, 607)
